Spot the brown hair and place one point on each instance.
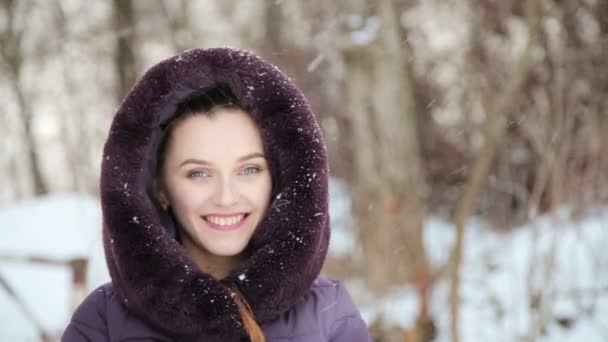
(196, 104)
(205, 104)
(249, 323)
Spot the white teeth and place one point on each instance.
(228, 221)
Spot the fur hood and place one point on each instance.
(151, 272)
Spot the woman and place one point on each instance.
(215, 211)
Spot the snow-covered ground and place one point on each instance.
(564, 265)
(570, 271)
(59, 227)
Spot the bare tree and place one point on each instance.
(126, 66)
(178, 22)
(12, 57)
(388, 183)
(496, 123)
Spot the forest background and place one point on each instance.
(445, 110)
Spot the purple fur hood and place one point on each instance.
(157, 291)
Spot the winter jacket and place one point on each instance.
(325, 313)
(157, 292)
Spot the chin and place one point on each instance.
(227, 251)
(224, 246)
(227, 245)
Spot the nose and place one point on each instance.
(226, 194)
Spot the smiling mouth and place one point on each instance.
(225, 223)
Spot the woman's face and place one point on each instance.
(216, 180)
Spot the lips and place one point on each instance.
(225, 222)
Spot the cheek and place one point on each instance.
(262, 192)
(188, 196)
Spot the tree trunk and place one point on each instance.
(126, 67)
(495, 132)
(388, 185)
(10, 48)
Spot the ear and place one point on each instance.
(160, 194)
(163, 200)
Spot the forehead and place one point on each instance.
(225, 134)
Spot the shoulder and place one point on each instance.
(326, 313)
(89, 321)
(330, 300)
(338, 309)
(93, 307)
(102, 316)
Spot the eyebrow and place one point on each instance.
(204, 162)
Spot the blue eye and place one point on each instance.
(256, 169)
(194, 174)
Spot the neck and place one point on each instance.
(219, 266)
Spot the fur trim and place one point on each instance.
(150, 270)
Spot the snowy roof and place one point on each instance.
(58, 227)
